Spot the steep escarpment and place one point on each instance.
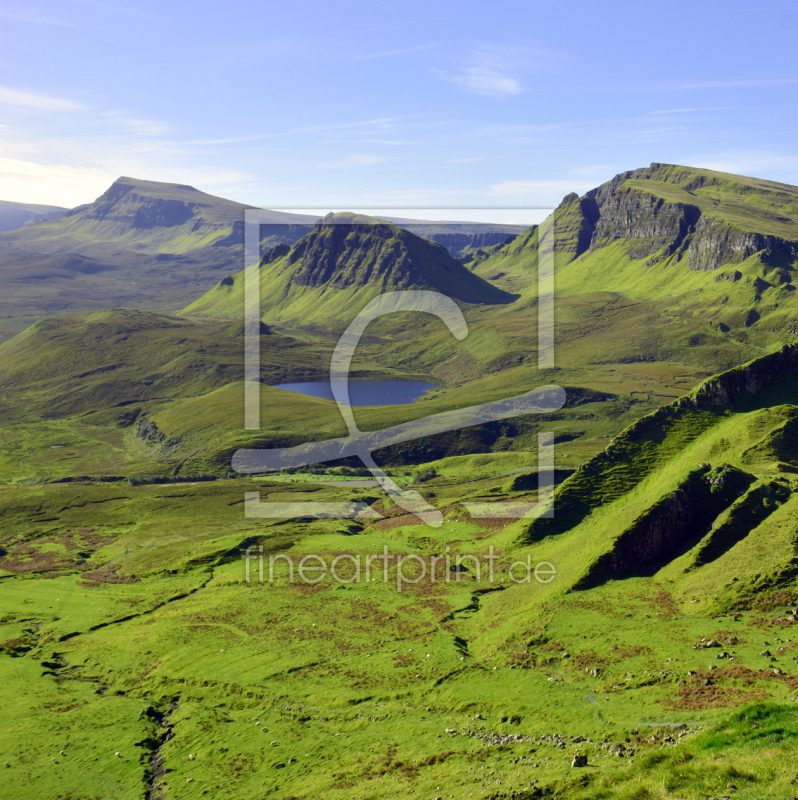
(662, 436)
(743, 381)
(648, 222)
(461, 244)
(671, 523)
(709, 219)
(346, 261)
(715, 243)
(341, 255)
(123, 202)
(748, 511)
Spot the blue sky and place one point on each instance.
(382, 104)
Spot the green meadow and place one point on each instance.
(158, 642)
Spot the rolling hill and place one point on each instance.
(323, 279)
(150, 245)
(141, 244)
(140, 651)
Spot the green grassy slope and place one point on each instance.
(140, 244)
(130, 605)
(136, 661)
(326, 277)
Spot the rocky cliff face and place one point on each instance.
(714, 243)
(750, 378)
(671, 524)
(613, 471)
(343, 255)
(122, 203)
(615, 212)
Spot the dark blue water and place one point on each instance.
(366, 393)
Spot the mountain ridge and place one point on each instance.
(342, 264)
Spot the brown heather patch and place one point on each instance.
(664, 600)
(587, 661)
(775, 622)
(746, 688)
(767, 601)
(551, 646)
(524, 660)
(100, 577)
(620, 653)
(700, 698)
(438, 758)
(22, 556)
(396, 521)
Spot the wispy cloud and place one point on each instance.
(14, 97)
(495, 70)
(357, 161)
(488, 82)
(24, 14)
(738, 84)
(749, 162)
(390, 53)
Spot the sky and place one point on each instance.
(436, 107)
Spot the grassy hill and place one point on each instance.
(340, 266)
(143, 216)
(136, 659)
(141, 244)
(154, 667)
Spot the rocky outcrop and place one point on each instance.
(715, 243)
(121, 201)
(152, 436)
(647, 221)
(649, 224)
(343, 255)
(576, 222)
(278, 251)
(751, 378)
(671, 524)
(148, 431)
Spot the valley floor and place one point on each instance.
(138, 661)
